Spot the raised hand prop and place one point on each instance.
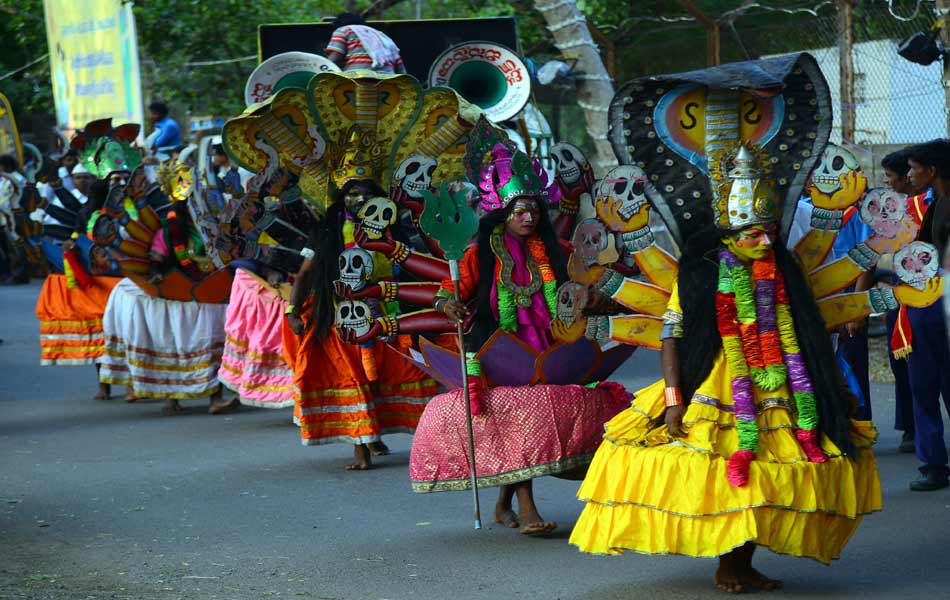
(451, 222)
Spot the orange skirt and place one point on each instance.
(71, 320)
(334, 401)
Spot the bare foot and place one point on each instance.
(727, 578)
(538, 527)
(220, 405)
(362, 462)
(752, 578)
(506, 517)
(378, 449)
(130, 396)
(172, 407)
(105, 392)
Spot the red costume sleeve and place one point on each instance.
(468, 271)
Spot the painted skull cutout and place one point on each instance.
(376, 216)
(627, 184)
(355, 316)
(916, 264)
(571, 301)
(356, 268)
(590, 239)
(883, 209)
(569, 163)
(414, 175)
(835, 162)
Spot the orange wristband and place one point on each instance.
(672, 396)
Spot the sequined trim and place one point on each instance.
(882, 299)
(826, 220)
(864, 256)
(518, 475)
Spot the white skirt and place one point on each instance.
(161, 348)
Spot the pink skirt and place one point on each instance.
(253, 364)
(522, 433)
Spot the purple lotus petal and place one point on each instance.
(568, 363)
(507, 361)
(445, 365)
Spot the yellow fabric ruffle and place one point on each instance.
(649, 492)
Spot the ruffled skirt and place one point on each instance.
(71, 320)
(648, 492)
(522, 433)
(161, 348)
(253, 364)
(335, 401)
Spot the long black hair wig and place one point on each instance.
(485, 324)
(326, 240)
(701, 342)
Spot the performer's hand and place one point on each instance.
(581, 273)
(343, 290)
(911, 296)
(385, 245)
(674, 420)
(349, 336)
(854, 327)
(853, 185)
(455, 310)
(295, 322)
(608, 211)
(568, 334)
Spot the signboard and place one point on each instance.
(420, 42)
(94, 62)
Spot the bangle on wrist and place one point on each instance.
(439, 304)
(672, 396)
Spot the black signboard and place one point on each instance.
(420, 42)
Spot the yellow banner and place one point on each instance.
(9, 136)
(93, 53)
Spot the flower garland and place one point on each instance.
(758, 339)
(511, 295)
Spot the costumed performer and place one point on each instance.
(342, 402)
(510, 279)
(747, 440)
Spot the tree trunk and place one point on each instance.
(595, 89)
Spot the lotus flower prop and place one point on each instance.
(507, 361)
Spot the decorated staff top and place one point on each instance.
(685, 131)
(449, 220)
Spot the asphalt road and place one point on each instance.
(109, 500)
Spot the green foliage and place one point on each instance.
(24, 39)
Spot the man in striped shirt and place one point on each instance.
(355, 46)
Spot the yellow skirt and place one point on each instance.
(651, 493)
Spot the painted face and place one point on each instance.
(752, 243)
(354, 199)
(523, 220)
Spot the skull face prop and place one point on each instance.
(627, 184)
(590, 239)
(376, 216)
(883, 209)
(414, 175)
(571, 302)
(835, 162)
(355, 316)
(916, 264)
(356, 268)
(569, 164)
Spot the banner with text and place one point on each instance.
(94, 61)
